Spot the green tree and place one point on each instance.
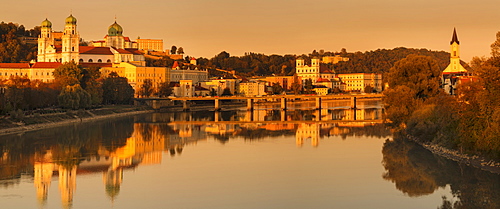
(74, 97)
(68, 74)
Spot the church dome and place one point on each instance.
(71, 20)
(115, 30)
(46, 23)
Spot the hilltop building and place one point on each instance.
(114, 49)
(314, 71)
(454, 70)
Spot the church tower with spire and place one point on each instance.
(454, 67)
(70, 41)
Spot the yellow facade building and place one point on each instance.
(137, 74)
(357, 82)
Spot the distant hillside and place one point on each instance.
(13, 48)
(381, 60)
(378, 61)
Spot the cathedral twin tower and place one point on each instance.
(69, 51)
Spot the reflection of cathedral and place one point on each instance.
(145, 146)
(308, 131)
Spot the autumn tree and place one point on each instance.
(74, 97)
(412, 81)
(164, 90)
(146, 89)
(173, 50)
(117, 90)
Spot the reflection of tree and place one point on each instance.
(403, 172)
(416, 171)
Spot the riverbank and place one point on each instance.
(9, 125)
(471, 160)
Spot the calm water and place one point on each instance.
(187, 160)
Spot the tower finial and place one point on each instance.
(454, 38)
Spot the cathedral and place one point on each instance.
(66, 47)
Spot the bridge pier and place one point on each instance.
(155, 104)
(217, 105)
(318, 103)
(185, 105)
(317, 113)
(283, 103)
(250, 104)
(353, 103)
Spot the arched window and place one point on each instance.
(99, 60)
(90, 60)
(108, 61)
(81, 60)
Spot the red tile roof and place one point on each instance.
(95, 50)
(126, 39)
(176, 64)
(14, 65)
(46, 65)
(134, 51)
(322, 80)
(96, 64)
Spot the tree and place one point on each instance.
(412, 81)
(68, 74)
(419, 73)
(164, 90)
(146, 89)
(180, 50)
(226, 92)
(277, 89)
(74, 97)
(92, 83)
(369, 89)
(308, 86)
(117, 90)
(173, 50)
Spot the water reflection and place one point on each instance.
(109, 148)
(417, 172)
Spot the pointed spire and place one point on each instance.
(454, 38)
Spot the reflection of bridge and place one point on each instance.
(156, 103)
(273, 122)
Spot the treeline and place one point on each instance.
(381, 60)
(74, 87)
(12, 48)
(255, 64)
(469, 122)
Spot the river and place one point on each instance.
(236, 159)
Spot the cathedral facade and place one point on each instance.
(114, 49)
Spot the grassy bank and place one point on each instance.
(23, 121)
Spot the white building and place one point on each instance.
(357, 82)
(314, 71)
(252, 88)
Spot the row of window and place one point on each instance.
(26, 74)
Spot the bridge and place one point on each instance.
(156, 103)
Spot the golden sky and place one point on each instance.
(204, 28)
